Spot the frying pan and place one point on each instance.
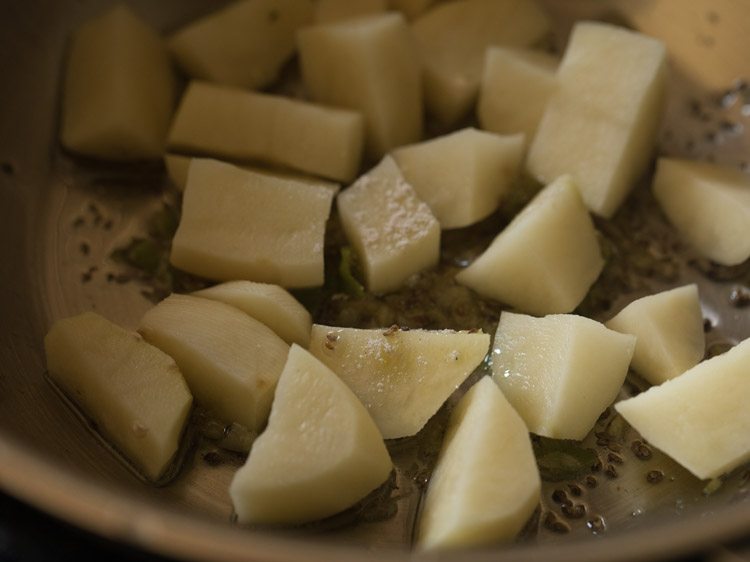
(60, 219)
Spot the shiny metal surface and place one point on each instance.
(52, 207)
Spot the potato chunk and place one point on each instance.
(551, 249)
(230, 361)
(486, 484)
(320, 453)
(600, 124)
(401, 376)
(244, 44)
(119, 89)
(392, 230)
(270, 304)
(700, 418)
(368, 64)
(238, 224)
(240, 126)
(462, 176)
(329, 11)
(452, 39)
(669, 328)
(133, 391)
(709, 205)
(559, 372)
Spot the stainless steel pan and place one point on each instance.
(60, 218)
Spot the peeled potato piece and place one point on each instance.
(230, 361)
(401, 376)
(119, 89)
(320, 453)
(669, 328)
(133, 391)
(391, 229)
(411, 8)
(700, 418)
(270, 304)
(486, 484)
(238, 224)
(560, 372)
(329, 11)
(239, 126)
(244, 44)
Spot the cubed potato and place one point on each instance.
(238, 224)
(452, 39)
(119, 89)
(600, 125)
(700, 418)
(560, 372)
(515, 88)
(231, 362)
(369, 64)
(669, 328)
(245, 44)
(545, 260)
(411, 8)
(393, 231)
(320, 453)
(134, 393)
(238, 125)
(709, 205)
(486, 484)
(270, 304)
(401, 376)
(330, 11)
(462, 176)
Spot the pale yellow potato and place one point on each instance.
(320, 454)
(560, 372)
(708, 204)
(669, 328)
(270, 304)
(329, 11)
(600, 125)
(238, 125)
(238, 224)
(515, 88)
(464, 175)
(401, 376)
(486, 484)
(245, 44)
(700, 418)
(231, 361)
(452, 39)
(134, 392)
(545, 260)
(369, 64)
(119, 89)
(411, 8)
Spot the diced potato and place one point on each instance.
(238, 224)
(486, 484)
(245, 44)
(391, 229)
(669, 328)
(411, 8)
(560, 372)
(369, 64)
(452, 39)
(700, 418)
(709, 205)
(320, 453)
(119, 89)
(238, 125)
(515, 88)
(133, 391)
(269, 304)
(545, 260)
(230, 361)
(600, 124)
(401, 376)
(462, 176)
(329, 11)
